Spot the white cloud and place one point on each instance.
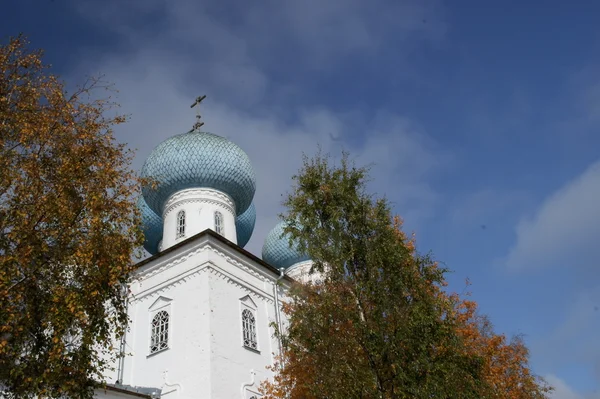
(561, 389)
(562, 236)
(159, 110)
(197, 49)
(289, 39)
(574, 339)
(565, 229)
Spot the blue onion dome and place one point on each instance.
(277, 250)
(198, 160)
(244, 225)
(152, 226)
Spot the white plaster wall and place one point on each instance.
(182, 370)
(235, 367)
(201, 285)
(200, 206)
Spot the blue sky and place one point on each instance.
(481, 119)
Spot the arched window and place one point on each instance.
(219, 228)
(180, 224)
(159, 339)
(249, 329)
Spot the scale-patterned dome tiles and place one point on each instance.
(277, 250)
(244, 225)
(152, 227)
(195, 160)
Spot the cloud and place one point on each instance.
(159, 67)
(402, 154)
(574, 339)
(561, 238)
(564, 391)
(309, 33)
(564, 230)
(158, 82)
(561, 389)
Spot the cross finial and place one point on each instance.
(196, 103)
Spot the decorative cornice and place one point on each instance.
(240, 265)
(201, 195)
(144, 275)
(208, 266)
(149, 294)
(236, 283)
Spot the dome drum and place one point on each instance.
(301, 272)
(203, 195)
(189, 212)
(153, 227)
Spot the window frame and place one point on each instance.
(167, 332)
(248, 305)
(180, 224)
(219, 223)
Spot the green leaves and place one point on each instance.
(68, 230)
(380, 324)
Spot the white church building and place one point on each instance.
(202, 307)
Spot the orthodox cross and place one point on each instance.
(196, 103)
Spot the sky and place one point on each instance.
(480, 120)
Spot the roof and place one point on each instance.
(138, 392)
(277, 250)
(218, 237)
(198, 160)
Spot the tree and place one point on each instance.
(506, 363)
(68, 230)
(379, 324)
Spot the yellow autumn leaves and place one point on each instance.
(68, 228)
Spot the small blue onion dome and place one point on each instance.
(244, 225)
(198, 160)
(152, 226)
(277, 250)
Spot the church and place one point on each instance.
(202, 308)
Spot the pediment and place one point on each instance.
(247, 300)
(160, 302)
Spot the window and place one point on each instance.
(249, 329)
(219, 222)
(180, 224)
(159, 339)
